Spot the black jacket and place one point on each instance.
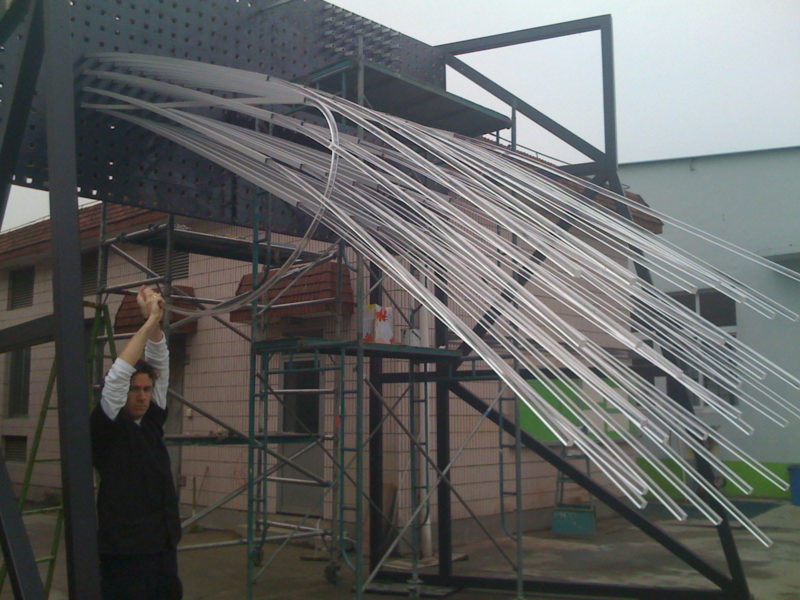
(137, 504)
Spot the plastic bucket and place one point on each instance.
(794, 483)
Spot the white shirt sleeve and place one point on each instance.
(157, 354)
(115, 388)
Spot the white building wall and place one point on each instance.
(753, 200)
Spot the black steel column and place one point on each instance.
(17, 551)
(73, 386)
(609, 102)
(20, 82)
(377, 522)
(444, 521)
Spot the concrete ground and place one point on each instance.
(616, 553)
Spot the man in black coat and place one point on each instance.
(137, 505)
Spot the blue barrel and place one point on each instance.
(794, 483)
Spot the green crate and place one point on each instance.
(573, 519)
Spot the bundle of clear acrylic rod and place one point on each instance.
(487, 226)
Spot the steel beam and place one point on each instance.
(522, 36)
(607, 158)
(583, 169)
(526, 109)
(685, 554)
(73, 386)
(32, 333)
(20, 83)
(17, 552)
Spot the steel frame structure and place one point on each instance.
(42, 29)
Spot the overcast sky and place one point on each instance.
(693, 77)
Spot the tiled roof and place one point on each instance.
(643, 220)
(316, 289)
(128, 318)
(35, 239)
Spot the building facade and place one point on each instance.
(751, 199)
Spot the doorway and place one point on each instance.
(301, 413)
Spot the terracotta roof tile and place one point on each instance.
(34, 239)
(317, 288)
(128, 318)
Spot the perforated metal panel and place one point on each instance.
(122, 163)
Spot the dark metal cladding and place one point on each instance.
(123, 163)
(24, 24)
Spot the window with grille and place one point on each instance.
(20, 288)
(157, 261)
(89, 268)
(720, 310)
(19, 379)
(15, 448)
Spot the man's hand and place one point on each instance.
(150, 303)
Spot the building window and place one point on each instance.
(89, 267)
(720, 310)
(20, 288)
(15, 448)
(157, 261)
(19, 380)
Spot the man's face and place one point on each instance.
(139, 396)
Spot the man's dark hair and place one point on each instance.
(142, 366)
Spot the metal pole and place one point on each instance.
(443, 451)
(518, 498)
(73, 386)
(251, 432)
(514, 126)
(413, 430)
(358, 445)
(609, 102)
(17, 551)
(376, 517)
